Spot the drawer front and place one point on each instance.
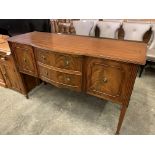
(62, 61)
(44, 56)
(69, 79)
(46, 73)
(68, 62)
(25, 59)
(58, 78)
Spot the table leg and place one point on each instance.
(27, 96)
(44, 83)
(121, 118)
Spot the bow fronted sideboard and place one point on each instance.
(105, 68)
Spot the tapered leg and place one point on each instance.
(141, 70)
(44, 83)
(121, 117)
(27, 96)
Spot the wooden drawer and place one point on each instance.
(58, 78)
(25, 59)
(63, 61)
(69, 79)
(45, 56)
(46, 73)
(69, 62)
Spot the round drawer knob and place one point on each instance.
(66, 62)
(68, 79)
(43, 57)
(3, 59)
(46, 73)
(25, 60)
(104, 80)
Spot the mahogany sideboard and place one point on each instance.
(105, 68)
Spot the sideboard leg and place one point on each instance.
(121, 117)
(27, 96)
(44, 83)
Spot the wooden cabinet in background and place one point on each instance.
(2, 81)
(11, 76)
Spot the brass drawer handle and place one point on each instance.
(68, 79)
(66, 62)
(43, 57)
(3, 59)
(25, 60)
(46, 73)
(104, 80)
(25, 49)
(5, 74)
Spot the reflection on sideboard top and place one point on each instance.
(119, 50)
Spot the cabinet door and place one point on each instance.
(25, 59)
(11, 75)
(106, 79)
(110, 79)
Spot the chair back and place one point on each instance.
(83, 27)
(135, 31)
(109, 29)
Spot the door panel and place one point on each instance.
(25, 59)
(106, 79)
(109, 79)
(11, 75)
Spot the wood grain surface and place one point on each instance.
(119, 50)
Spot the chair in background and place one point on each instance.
(64, 26)
(150, 51)
(109, 28)
(83, 27)
(92, 32)
(135, 31)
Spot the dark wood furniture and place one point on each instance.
(9, 76)
(104, 68)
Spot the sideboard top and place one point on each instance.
(119, 50)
